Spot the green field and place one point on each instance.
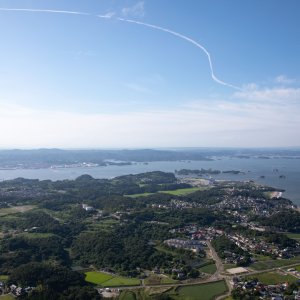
(104, 225)
(274, 263)
(209, 269)
(295, 236)
(97, 277)
(15, 210)
(183, 192)
(179, 192)
(121, 281)
(229, 266)
(105, 280)
(273, 278)
(7, 297)
(139, 195)
(3, 277)
(206, 291)
(127, 295)
(297, 268)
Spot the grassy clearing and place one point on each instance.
(295, 236)
(105, 280)
(207, 291)
(275, 263)
(183, 192)
(156, 290)
(209, 269)
(3, 277)
(139, 195)
(121, 281)
(137, 294)
(259, 257)
(229, 266)
(15, 210)
(273, 278)
(127, 295)
(97, 277)
(297, 268)
(7, 297)
(179, 192)
(158, 279)
(105, 224)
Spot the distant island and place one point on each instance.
(206, 172)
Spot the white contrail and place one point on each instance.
(184, 38)
(110, 15)
(46, 11)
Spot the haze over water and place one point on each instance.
(290, 168)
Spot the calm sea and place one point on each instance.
(253, 168)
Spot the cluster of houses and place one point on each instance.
(14, 290)
(199, 233)
(250, 245)
(265, 291)
(256, 245)
(257, 206)
(192, 245)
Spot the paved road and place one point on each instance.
(218, 262)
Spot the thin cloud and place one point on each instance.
(273, 95)
(283, 79)
(137, 87)
(137, 10)
(108, 15)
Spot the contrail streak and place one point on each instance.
(46, 11)
(184, 38)
(110, 16)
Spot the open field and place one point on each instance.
(183, 192)
(207, 291)
(105, 280)
(139, 195)
(97, 277)
(7, 297)
(209, 269)
(179, 192)
(3, 277)
(15, 210)
(104, 224)
(229, 266)
(295, 236)
(121, 281)
(273, 278)
(127, 295)
(143, 293)
(274, 263)
(296, 268)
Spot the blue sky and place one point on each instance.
(72, 80)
